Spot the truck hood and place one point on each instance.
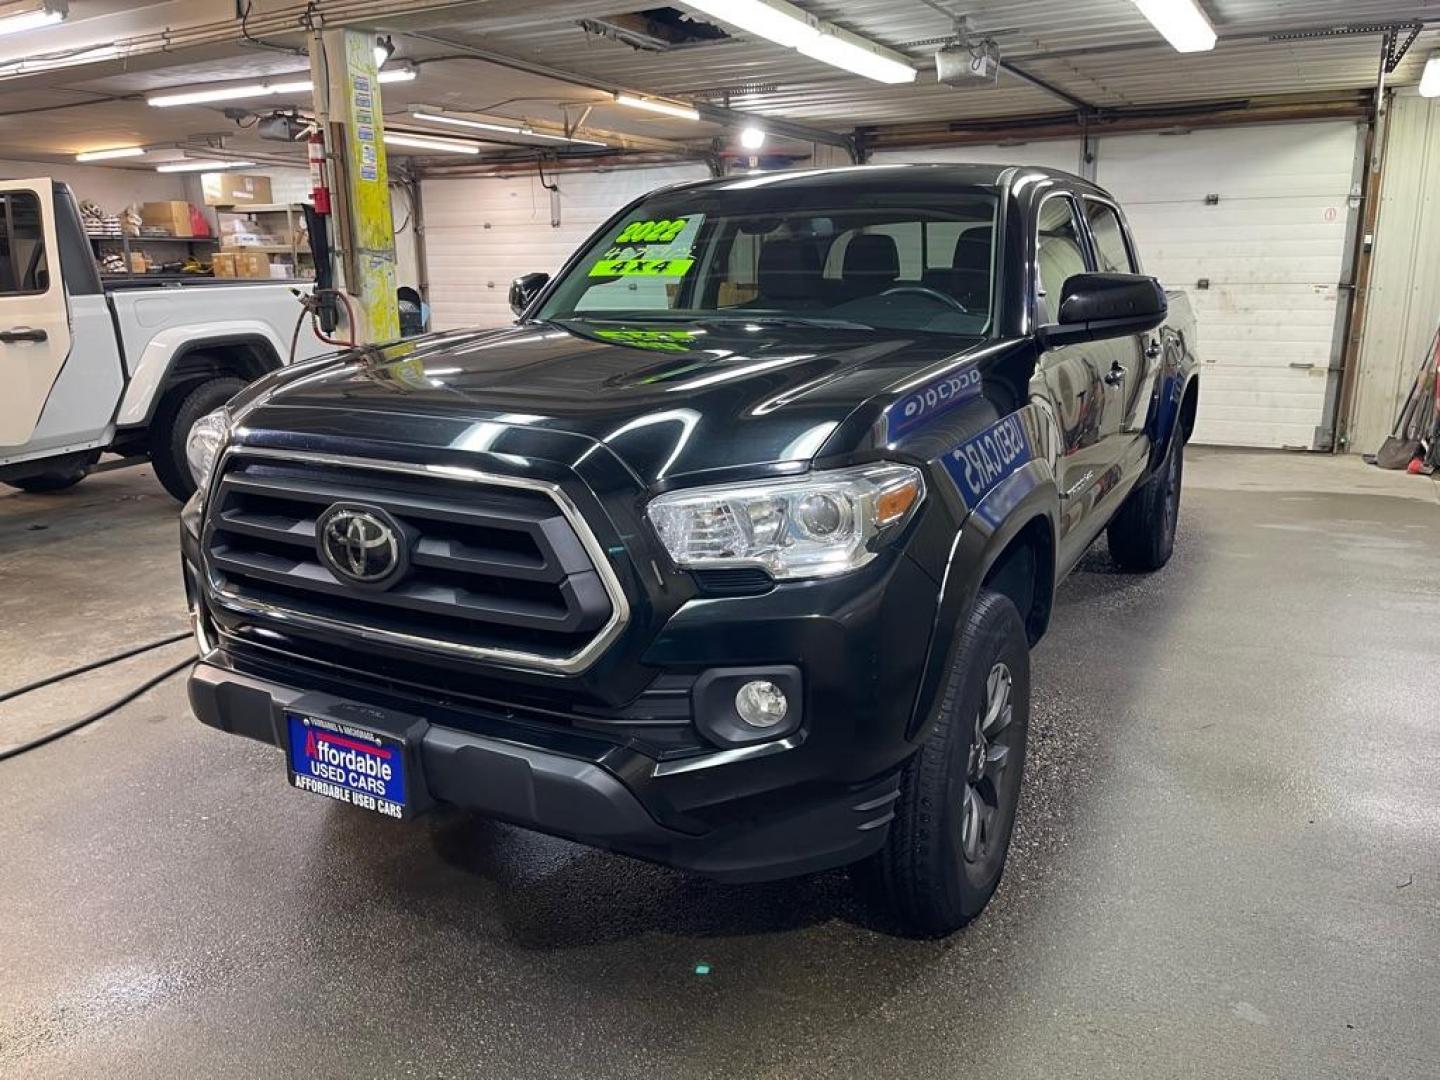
(667, 398)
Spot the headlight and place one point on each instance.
(203, 445)
(812, 526)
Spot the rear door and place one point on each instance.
(34, 319)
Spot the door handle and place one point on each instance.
(22, 333)
(1116, 375)
(1152, 348)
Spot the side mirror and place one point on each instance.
(1098, 306)
(524, 289)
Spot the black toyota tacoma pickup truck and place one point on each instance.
(729, 554)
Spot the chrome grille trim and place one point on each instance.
(573, 664)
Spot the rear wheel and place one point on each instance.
(174, 418)
(946, 849)
(1142, 534)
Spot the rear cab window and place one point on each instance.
(1112, 243)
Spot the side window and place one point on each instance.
(23, 267)
(1059, 255)
(1110, 244)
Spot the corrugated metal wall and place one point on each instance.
(1403, 305)
(481, 233)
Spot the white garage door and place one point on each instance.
(1054, 154)
(482, 233)
(1271, 247)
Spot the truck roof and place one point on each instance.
(890, 177)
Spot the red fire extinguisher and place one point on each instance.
(319, 191)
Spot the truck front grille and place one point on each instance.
(498, 568)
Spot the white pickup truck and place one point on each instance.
(89, 366)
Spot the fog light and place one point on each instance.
(761, 703)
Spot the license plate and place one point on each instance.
(347, 763)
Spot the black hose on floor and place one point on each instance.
(99, 714)
(83, 668)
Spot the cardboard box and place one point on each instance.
(173, 217)
(235, 189)
(251, 264)
(733, 294)
(223, 264)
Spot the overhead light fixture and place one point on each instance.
(1430, 77)
(430, 142)
(106, 155)
(1181, 22)
(787, 25)
(523, 131)
(384, 49)
(398, 73)
(656, 105)
(262, 89)
(16, 18)
(853, 55)
(752, 138)
(783, 25)
(201, 166)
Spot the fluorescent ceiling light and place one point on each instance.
(106, 155)
(202, 166)
(1181, 22)
(1430, 77)
(431, 142)
(752, 138)
(505, 129)
(669, 108)
(398, 74)
(260, 89)
(855, 56)
(17, 18)
(787, 25)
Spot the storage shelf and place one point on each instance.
(133, 240)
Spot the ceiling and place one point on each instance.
(1100, 51)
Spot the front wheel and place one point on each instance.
(946, 849)
(171, 428)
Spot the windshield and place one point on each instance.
(903, 261)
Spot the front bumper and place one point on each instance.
(585, 790)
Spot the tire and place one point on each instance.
(174, 418)
(946, 849)
(1142, 533)
(61, 479)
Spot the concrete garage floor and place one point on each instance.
(1228, 861)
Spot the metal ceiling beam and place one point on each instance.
(715, 114)
(1049, 87)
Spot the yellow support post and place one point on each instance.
(362, 228)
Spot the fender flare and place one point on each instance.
(1027, 494)
(173, 344)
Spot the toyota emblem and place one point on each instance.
(360, 545)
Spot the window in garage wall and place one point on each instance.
(482, 232)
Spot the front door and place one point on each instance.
(34, 319)
(1080, 380)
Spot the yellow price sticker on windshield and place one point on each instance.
(652, 232)
(641, 268)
